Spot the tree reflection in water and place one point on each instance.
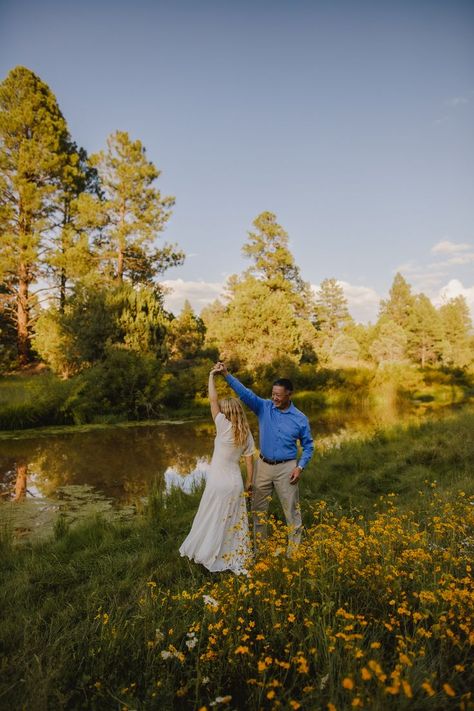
(126, 461)
(121, 462)
(21, 468)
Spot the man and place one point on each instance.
(281, 425)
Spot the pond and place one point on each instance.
(112, 468)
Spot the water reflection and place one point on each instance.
(21, 468)
(123, 462)
(189, 481)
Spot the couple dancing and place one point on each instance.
(219, 537)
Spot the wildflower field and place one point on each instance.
(374, 611)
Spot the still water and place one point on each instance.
(122, 462)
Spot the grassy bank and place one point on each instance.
(118, 392)
(374, 612)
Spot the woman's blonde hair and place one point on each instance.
(234, 412)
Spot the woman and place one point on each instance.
(219, 535)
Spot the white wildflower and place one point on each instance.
(324, 681)
(208, 600)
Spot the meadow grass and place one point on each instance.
(373, 611)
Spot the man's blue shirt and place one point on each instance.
(279, 430)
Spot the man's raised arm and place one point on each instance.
(247, 396)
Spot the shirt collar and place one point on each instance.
(291, 408)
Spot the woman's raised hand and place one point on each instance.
(220, 368)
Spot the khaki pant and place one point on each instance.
(266, 478)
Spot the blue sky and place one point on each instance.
(352, 121)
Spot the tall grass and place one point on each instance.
(374, 611)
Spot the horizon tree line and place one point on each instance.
(81, 233)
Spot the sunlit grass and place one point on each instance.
(374, 611)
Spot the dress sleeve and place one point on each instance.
(249, 447)
(220, 420)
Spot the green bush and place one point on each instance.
(124, 385)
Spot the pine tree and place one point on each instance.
(275, 264)
(457, 326)
(424, 332)
(131, 214)
(257, 326)
(345, 350)
(186, 334)
(391, 343)
(33, 141)
(98, 318)
(399, 305)
(332, 313)
(69, 254)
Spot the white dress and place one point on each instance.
(219, 536)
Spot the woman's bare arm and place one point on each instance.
(249, 466)
(212, 393)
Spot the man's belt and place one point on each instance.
(275, 461)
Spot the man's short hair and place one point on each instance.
(287, 384)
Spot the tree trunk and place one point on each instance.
(121, 245)
(120, 265)
(23, 316)
(62, 290)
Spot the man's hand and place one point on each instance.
(221, 368)
(295, 475)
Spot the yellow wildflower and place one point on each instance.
(426, 686)
(407, 689)
(448, 690)
(241, 649)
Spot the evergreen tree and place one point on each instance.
(391, 343)
(332, 313)
(399, 305)
(257, 326)
(131, 214)
(33, 148)
(8, 340)
(274, 263)
(424, 332)
(69, 254)
(457, 326)
(186, 334)
(98, 318)
(345, 350)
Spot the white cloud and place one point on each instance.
(455, 288)
(450, 247)
(457, 101)
(198, 293)
(363, 301)
(457, 260)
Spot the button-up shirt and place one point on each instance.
(279, 430)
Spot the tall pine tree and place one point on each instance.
(131, 214)
(399, 305)
(273, 262)
(33, 151)
(457, 343)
